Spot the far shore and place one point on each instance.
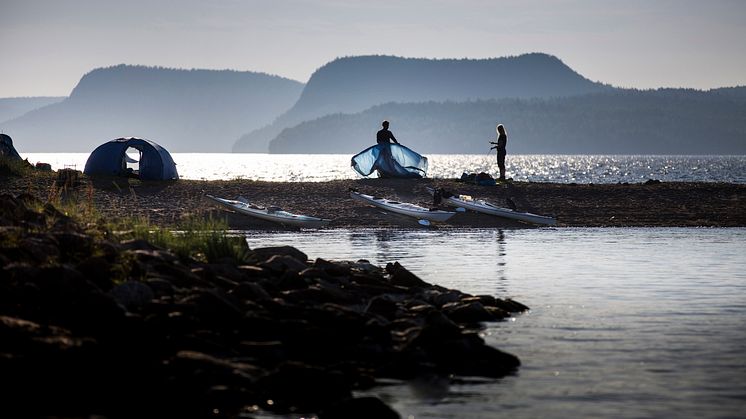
(652, 204)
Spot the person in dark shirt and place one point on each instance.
(383, 136)
(502, 142)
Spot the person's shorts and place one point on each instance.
(501, 158)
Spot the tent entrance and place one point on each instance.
(131, 161)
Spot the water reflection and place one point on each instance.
(623, 322)
(527, 167)
(502, 253)
(474, 261)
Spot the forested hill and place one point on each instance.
(183, 110)
(666, 121)
(13, 107)
(737, 93)
(353, 84)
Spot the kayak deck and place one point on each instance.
(273, 214)
(480, 205)
(403, 208)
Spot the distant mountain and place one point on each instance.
(13, 107)
(183, 110)
(666, 121)
(353, 84)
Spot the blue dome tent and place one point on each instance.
(155, 163)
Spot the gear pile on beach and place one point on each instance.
(92, 325)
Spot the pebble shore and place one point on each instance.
(645, 204)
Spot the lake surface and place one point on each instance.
(533, 167)
(624, 323)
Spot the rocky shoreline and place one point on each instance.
(93, 325)
(646, 204)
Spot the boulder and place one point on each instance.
(6, 148)
(359, 408)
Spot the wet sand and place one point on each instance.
(613, 205)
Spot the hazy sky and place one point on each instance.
(47, 45)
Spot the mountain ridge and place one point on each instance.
(661, 121)
(179, 109)
(14, 107)
(352, 84)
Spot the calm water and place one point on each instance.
(535, 168)
(624, 323)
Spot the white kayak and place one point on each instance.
(404, 208)
(479, 205)
(271, 213)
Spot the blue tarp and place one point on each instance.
(111, 159)
(390, 160)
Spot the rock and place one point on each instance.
(177, 274)
(283, 263)
(295, 386)
(108, 250)
(314, 272)
(331, 268)
(97, 270)
(363, 265)
(250, 291)
(439, 299)
(359, 408)
(224, 270)
(264, 253)
(399, 275)
(138, 244)
(383, 305)
(154, 256)
(289, 281)
(510, 305)
(486, 300)
(201, 384)
(471, 357)
(7, 150)
(438, 327)
(160, 287)
(252, 272)
(132, 294)
(215, 308)
(471, 312)
(109, 316)
(73, 246)
(216, 369)
(271, 351)
(40, 248)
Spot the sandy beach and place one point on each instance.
(574, 205)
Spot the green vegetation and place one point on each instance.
(202, 238)
(198, 237)
(14, 167)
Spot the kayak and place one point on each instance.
(479, 205)
(403, 208)
(274, 214)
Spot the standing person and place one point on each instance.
(384, 135)
(502, 142)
